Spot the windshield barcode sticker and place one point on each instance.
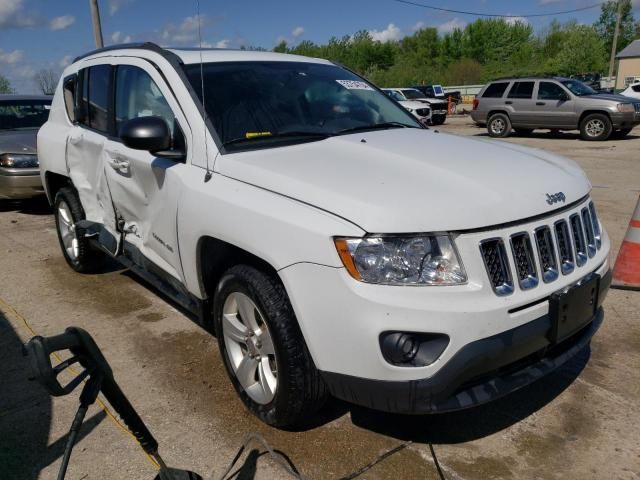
(354, 85)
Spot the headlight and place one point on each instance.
(396, 260)
(18, 160)
(626, 108)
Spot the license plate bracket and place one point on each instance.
(570, 310)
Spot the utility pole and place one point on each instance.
(97, 28)
(614, 46)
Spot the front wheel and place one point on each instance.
(499, 125)
(263, 349)
(76, 250)
(596, 127)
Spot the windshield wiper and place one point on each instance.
(291, 134)
(375, 126)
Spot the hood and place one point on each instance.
(413, 180)
(610, 97)
(18, 141)
(413, 104)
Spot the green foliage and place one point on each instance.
(5, 85)
(483, 50)
(606, 24)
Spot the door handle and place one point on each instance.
(540, 103)
(508, 102)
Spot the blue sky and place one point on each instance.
(38, 34)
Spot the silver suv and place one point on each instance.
(554, 103)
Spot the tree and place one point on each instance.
(281, 47)
(47, 80)
(5, 85)
(606, 24)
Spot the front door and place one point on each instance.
(85, 152)
(555, 107)
(145, 188)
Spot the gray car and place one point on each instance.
(21, 116)
(554, 103)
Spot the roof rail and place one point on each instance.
(139, 45)
(534, 77)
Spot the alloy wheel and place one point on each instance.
(595, 128)
(67, 228)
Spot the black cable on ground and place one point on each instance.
(369, 466)
(435, 461)
(71, 440)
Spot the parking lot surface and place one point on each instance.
(580, 422)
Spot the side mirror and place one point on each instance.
(151, 134)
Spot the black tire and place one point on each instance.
(87, 260)
(300, 390)
(595, 127)
(620, 134)
(438, 119)
(499, 125)
(523, 131)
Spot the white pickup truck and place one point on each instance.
(331, 242)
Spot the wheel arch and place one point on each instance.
(494, 111)
(584, 114)
(53, 183)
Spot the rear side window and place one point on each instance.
(69, 90)
(93, 106)
(550, 91)
(521, 90)
(495, 90)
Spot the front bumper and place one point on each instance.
(625, 120)
(480, 372)
(18, 184)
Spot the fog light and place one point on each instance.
(412, 349)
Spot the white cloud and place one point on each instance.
(11, 57)
(60, 23)
(119, 37)
(297, 32)
(115, 5)
(388, 34)
(12, 16)
(185, 32)
(225, 43)
(418, 26)
(514, 20)
(65, 61)
(451, 25)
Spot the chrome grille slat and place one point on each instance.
(565, 250)
(524, 259)
(496, 262)
(588, 228)
(547, 254)
(569, 242)
(579, 242)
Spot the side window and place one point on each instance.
(99, 80)
(69, 91)
(137, 95)
(495, 90)
(521, 90)
(550, 91)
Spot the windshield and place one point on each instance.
(266, 103)
(578, 88)
(412, 94)
(23, 114)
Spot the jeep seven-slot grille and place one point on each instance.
(558, 249)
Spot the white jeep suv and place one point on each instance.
(332, 244)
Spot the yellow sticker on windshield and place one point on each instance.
(257, 134)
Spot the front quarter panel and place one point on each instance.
(275, 228)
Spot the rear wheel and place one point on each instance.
(263, 349)
(595, 127)
(76, 250)
(499, 125)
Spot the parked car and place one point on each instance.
(420, 110)
(20, 118)
(333, 244)
(437, 91)
(439, 108)
(554, 103)
(632, 91)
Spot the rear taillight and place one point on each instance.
(476, 102)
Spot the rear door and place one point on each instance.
(520, 103)
(85, 150)
(555, 108)
(145, 189)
